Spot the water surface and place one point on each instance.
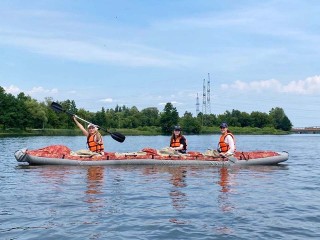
(150, 202)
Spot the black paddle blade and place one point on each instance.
(118, 136)
(57, 107)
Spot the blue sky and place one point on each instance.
(260, 54)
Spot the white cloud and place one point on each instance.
(41, 90)
(172, 102)
(107, 100)
(253, 86)
(12, 89)
(308, 86)
(34, 92)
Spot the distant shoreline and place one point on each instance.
(136, 132)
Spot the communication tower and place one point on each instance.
(208, 96)
(204, 98)
(197, 105)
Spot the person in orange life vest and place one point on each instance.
(226, 145)
(178, 142)
(94, 138)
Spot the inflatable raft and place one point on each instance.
(62, 155)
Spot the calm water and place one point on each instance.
(266, 202)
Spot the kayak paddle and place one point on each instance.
(115, 135)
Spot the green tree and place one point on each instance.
(259, 119)
(53, 118)
(23, 111)
(36, 112)
(244, 119)
(12, 111)
(150, 117)
(207, 119)
(113, 119)
(279, 119)
(190, 124)
(168, 118)
(226, 117)
(285, 124)
(65, 120)
(100, 118)
(135, 117)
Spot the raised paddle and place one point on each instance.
(115, 135)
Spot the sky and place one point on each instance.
(145, 53)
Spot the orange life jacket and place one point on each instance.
(175, 142)
(93, 145)
(224, 147)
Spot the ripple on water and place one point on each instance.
(125, 202)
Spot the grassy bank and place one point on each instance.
(141, 131)
(245, 131)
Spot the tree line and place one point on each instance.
(24, 112)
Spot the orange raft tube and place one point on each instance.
(62, 155)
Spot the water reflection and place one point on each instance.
(95, 179)
(210, 203)
(55, 175)
(223, 178)
(58, 178)
(179, 198)
(226, 180)
(184, 182)
(178, 179)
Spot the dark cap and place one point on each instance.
(223, 125)
(177, 128)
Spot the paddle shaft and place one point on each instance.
(115, 135)
(90, 123)
(232, 159)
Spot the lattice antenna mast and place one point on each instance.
(204, 101)
(197, 105)
(208, 95)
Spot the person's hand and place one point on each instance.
(74, 117)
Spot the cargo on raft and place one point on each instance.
(62, 155)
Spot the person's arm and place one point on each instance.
(182, 142)
(84, 131)
(230, 142)
(177, 148)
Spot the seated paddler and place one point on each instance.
(94, 138)
(178, 142)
